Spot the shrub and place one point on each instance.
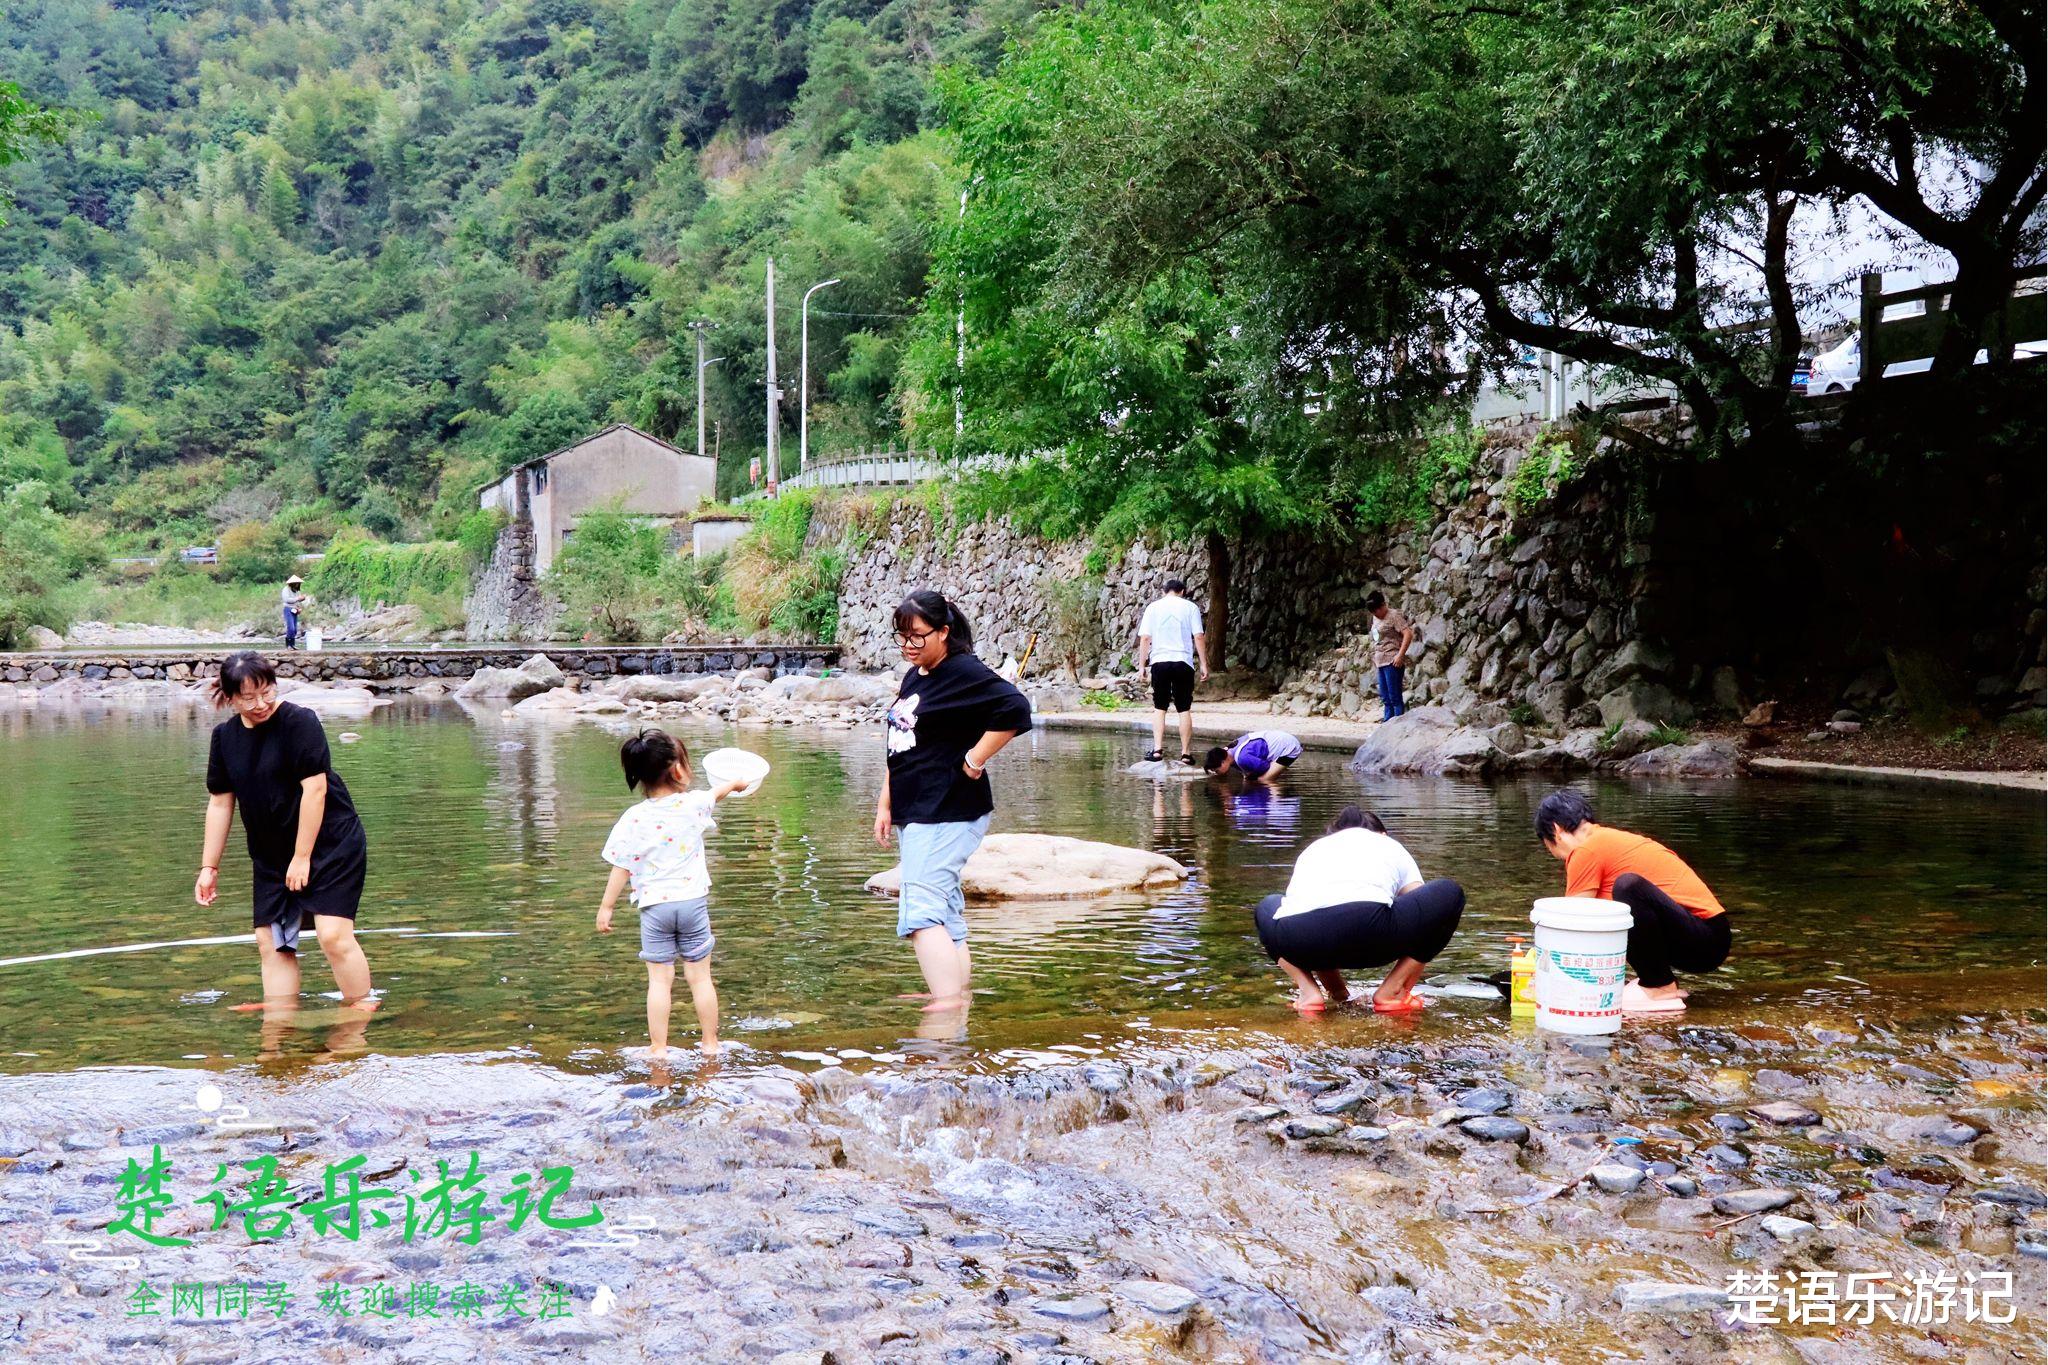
(256, 552)
(605, 576)
(1104, 698)
(478, 533)
(1074, 620)
(39, 554)
(1552, 462)
(380, 513)
(372, 572)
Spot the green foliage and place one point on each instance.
(478, 533)
(39, 555)
(1610, 734)
(373, 572)
(1670, 734)
(1522, 713)
(404, 248)
(1551, 463)
(1104, 699)
(606, 574)
(1928, 685)
(256, 552)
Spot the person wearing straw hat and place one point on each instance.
(293, 600)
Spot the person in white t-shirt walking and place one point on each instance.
(1171, 644)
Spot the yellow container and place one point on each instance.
(1521, 979)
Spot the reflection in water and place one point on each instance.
(470, 836)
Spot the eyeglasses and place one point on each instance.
(916, 641)
(262, 698)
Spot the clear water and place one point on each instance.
(481, 826)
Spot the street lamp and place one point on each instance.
(702, 365)
(700, 327)
(803, 432)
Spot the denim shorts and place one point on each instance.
(676, 929)
(932, 858)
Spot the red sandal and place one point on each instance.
(1408, 1004)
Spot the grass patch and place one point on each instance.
(1105, 700)
(175, 596)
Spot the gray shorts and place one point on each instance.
(676, 929)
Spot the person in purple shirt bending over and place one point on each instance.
(1261, 755)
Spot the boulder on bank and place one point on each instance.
(1429, 740)
(1708, 758)
(536, 675)
(1040, 867)
(334, 701)
(43, 638)
(649, 687)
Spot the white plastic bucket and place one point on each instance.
(313, 638)
(1581, 961)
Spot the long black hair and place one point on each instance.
(648, 756)
(1353, 817)
(240, 668)
(931, 607)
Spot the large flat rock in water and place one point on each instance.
(1042, 867)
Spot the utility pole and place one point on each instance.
(700, 327)
(774, 394)
(803, 430)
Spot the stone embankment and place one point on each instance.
(385, 666)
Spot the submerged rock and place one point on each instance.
(1752, 1201)
(1663, 1296)
(1050, 867)
(1786, 1229)
(1785, 1113)
(1495, 1128)
(1156, 1296)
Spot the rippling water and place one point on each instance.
(490, 829)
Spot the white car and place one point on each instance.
(1837, 370)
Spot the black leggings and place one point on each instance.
(1667, 936)
(1364, 933)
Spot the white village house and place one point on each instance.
(620, 466)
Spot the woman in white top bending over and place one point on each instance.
(1357, 900)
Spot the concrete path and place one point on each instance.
(1223, 720)
(2031, 782)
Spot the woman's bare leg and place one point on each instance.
(280, 971)
(941, 961)
(1307, 994)
(351, 969)
(1400, 982)
(1333, 986)
(661, 980)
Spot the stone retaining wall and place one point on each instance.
(410, 665)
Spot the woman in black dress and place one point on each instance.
(307, 854)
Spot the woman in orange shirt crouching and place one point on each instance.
(1679, 926)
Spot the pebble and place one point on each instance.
(1663, 1296)
(1496, 1128)
(1730, 1123)
(1616, 1178)
(1263, 1113)
(1786, 1229)
(1752, 1201)
(1727, 1157)
(890, 1222)
(1367, 1133)
(1156, 1296)
(1785, 1113)
(1685, 1187)
(1300, 1129)
(2012, 1195)
(1485, 1101)
(1082, 1308)
(1938, 1128)
(1338, 1102)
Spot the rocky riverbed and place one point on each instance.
(1226, 1189)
